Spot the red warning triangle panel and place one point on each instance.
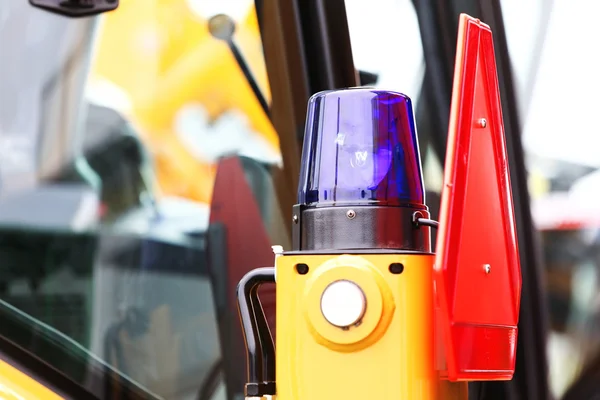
(477, 272)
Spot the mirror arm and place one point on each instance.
(222, 27)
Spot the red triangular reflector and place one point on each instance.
(477, 272)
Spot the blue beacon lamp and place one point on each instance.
(360, 153)
(343, 295)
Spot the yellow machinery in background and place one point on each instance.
(160, 59)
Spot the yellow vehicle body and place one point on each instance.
(162, 56)
(15, 385)
(389, 355)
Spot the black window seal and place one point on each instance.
(52, 377)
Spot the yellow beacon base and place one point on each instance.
(357, 327)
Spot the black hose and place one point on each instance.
(259, 342)
(265, 338)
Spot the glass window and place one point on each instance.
(117, 135)
(555, 62)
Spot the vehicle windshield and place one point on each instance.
(111, 130)
(138, 181)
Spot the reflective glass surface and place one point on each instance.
(119, 137)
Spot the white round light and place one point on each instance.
(343, 303)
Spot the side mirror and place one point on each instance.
(76, 8)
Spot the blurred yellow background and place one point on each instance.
(161, 58)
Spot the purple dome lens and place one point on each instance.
(360, 147)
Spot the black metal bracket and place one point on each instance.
(259, 342)
(76, 8)
(420, 220)
(407, 220)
